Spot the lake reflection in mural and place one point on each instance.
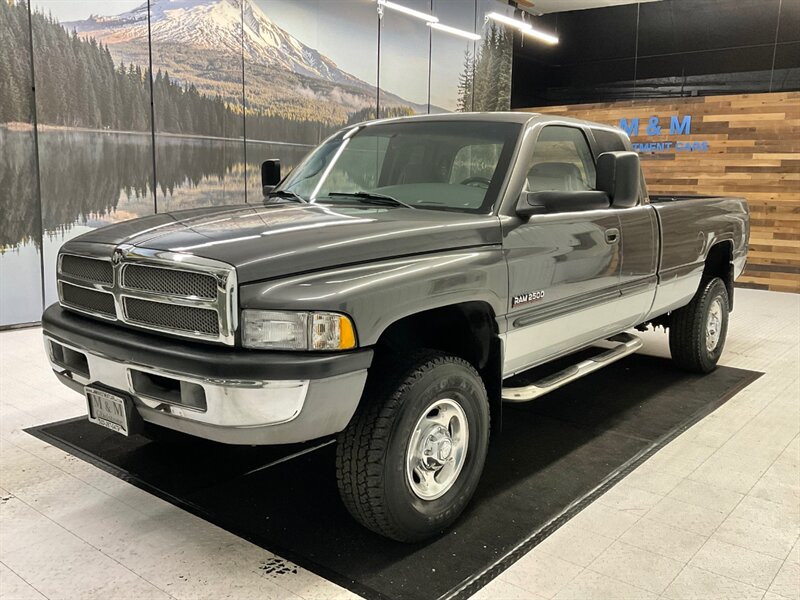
(97, 178)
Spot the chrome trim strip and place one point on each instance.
(561, 307)
(225, 304)
(158, 298)
(179, 297)
(639, 285)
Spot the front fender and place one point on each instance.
(377, 294)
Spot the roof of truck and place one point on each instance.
(503, 117)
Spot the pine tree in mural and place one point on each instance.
(15, 68)
(465, 84)
(79, 86)
(485, 82)
(387, 112)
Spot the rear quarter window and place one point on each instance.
(608, 141)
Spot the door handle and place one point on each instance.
(612, 236)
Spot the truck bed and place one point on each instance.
(688, 231)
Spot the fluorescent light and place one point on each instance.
(523, 27)
(460, 32)
(408, 11)
(543, 36)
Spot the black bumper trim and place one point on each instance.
(199, 360)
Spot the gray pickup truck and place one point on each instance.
(386, 290)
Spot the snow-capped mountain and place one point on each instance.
(219, 26)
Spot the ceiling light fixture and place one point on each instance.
(459, 32)
(408, 11)
(523, 27)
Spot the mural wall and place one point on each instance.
(160, 105)
(21, 233)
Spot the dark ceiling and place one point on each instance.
(660, 49)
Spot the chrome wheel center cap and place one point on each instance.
(714, 325)
(438, 447)
(445, 448)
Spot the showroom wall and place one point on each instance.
(149, 106)
(663, 49)
(731, 68)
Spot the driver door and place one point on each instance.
(564, 267)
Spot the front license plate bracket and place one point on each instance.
(112, 409)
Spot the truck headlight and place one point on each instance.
(279, 330)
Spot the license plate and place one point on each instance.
(108, 410)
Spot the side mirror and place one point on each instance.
(619, 176)
(270, 174)
(539, 203)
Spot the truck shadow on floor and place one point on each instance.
(550, 453)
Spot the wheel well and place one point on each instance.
(467, 330)
(719, 263)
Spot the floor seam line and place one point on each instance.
(726, 518)
(638, 587)
(88, 543)
(55, 466)
(745, 424)
(38, 591)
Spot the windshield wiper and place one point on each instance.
(371, 198)
(288, 196)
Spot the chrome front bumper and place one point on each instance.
(234, 411)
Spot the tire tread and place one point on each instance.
(687, 329)
(362, 446)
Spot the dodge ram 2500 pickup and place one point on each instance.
(385, 292)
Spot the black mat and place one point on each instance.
(553, 457)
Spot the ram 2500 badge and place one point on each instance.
(385, 291)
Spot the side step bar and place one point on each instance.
(625, 344)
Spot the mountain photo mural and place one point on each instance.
(293, 91)
(159, 105)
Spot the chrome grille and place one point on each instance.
(171, 316)
(88, 269)
(169, 281)
(168, 292)
(88, 300)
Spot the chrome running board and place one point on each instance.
(624, 344)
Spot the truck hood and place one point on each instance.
(267, 241)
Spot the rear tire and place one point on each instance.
(698, 330)
(411, 458)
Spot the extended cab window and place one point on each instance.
(608, 141)
(561, 161)
(437, 165)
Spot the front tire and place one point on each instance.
(698, 330)
(410, 460)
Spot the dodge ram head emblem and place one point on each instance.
(526, 298)
(117, 256)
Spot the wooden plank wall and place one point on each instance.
(753, 151)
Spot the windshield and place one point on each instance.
(439, 165)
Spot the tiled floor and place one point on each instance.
(715, 514)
